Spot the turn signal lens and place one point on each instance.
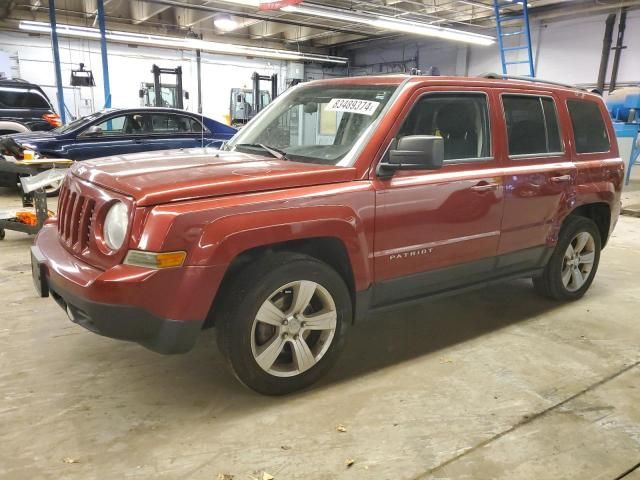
(155, 260)
(52, 119)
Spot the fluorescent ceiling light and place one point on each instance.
(179, 43)
(394, 24)
(224, 22)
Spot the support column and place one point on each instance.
(103, 51)
(56, 60)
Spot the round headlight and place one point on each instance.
(115, 225)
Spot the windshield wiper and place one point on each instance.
(273, 151)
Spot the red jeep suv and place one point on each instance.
(341, 197)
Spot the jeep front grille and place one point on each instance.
(75, 219)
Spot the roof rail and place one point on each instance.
(528, 79)
(14, 79)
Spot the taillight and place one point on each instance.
(52, 119)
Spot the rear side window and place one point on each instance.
(532, 125)
(168, 123)
(589, 129)
(462, 120)
(21, 98)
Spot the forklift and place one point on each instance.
(158, 94)
(246, 103)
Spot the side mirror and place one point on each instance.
(414, 152)
(186, 95)
(93, 131)
(141, 93)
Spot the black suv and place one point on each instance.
(23, 107)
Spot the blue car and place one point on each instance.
(116, 132)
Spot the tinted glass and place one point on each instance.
(589, 128)
(21, 98)
(553, 132)
(196, 126)
(532, 125)
(461, 120)
(167, 123)
(131, 124)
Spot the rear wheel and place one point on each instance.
(573, 265)
(282, 322)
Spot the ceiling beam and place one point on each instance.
(141, 11)
(256, 16)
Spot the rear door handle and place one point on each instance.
(485, 187)
(561, 178)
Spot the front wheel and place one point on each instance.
(573, 264)
(282, 322)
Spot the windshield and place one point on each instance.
(315, 124)
(78, 123)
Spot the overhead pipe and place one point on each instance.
(606, 48)
(619, 47)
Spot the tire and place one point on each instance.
(279, 346)
(578, 232)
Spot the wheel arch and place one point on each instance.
(328, 249)
(600, 213)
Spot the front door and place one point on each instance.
(437, 230)
(115, 135)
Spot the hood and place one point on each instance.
(32, 137)
(154, 178)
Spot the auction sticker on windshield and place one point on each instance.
(352, 105)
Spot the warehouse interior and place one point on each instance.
(492, 381)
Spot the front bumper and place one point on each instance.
(161, 310)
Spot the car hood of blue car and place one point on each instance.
(34, 138)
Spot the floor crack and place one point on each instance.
(530, 419)
(627, 472)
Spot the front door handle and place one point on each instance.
(485, 187)
(561, 178)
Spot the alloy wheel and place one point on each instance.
(294, 328)
(578, 261)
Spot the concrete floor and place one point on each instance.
(497, 383)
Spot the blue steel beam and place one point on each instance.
(56, 60)
(103, 51)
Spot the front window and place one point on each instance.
(315, 124)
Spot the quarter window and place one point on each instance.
(532, 125)
(462, 120)
(589, 129)
(21, 98)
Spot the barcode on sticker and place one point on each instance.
(352, 105)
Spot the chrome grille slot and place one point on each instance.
(78, 206)
(84, 226)
(66, 228)
(64, 193)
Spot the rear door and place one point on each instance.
(539, 178)
(167, 131)
(437, 230)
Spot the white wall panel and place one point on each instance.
(130, 65)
